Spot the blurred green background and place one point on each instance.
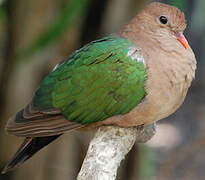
(37, 34)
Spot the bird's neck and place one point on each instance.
(162, 51)
(138, 34)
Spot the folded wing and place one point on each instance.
(103, 79)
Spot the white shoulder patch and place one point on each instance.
(55, 67)
(136, 54)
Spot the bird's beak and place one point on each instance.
(181, 38)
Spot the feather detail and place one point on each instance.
(31, 123)
(28, 148)
(102, 79)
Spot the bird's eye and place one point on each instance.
(163, 20)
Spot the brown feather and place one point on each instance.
(29, 122)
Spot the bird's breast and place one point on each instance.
(165, 98)
(168, 81)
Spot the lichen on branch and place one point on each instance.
(109, 147)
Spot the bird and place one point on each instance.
(134, 77)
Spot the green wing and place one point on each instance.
(96, 82)
(103, 79)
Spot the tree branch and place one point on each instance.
(108, 147)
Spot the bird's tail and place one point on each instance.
(28, 148)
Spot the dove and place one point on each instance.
(134, 77)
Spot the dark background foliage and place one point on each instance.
(36, 34)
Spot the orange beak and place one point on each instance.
(181, 38)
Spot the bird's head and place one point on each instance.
(163, 21)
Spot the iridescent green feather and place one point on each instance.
(96, 82)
